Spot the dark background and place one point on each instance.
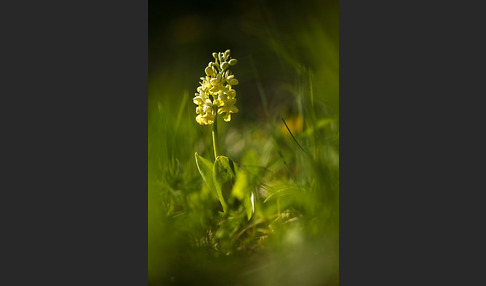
(182, 37)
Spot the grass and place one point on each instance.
(285, 138)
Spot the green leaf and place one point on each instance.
(205, 168)
(240, 188)
(224, 171)
(241, 191)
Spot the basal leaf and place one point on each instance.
(205, 168)
(224, 171)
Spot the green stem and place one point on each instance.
(215, 137)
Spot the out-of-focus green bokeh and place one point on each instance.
(288, 68)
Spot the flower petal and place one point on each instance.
(227, 117)
(198, 100)
(232, 81)
(233, 109)
(199, 120)
(231, 93)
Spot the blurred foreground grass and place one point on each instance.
(289, 71)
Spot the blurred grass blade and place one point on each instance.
(249, 204)
(293, 136)
(241, 191)
(319, 125)
(181, 109)
(261, 92)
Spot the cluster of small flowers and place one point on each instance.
(217, 84)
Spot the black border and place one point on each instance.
(409, 131)
(74, 101)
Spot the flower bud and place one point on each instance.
(232, 81)
(209, 71)
(231, 93)
(233, 62)
(224, 65)
(215, 55)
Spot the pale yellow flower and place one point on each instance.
(215, 93)
(228, 108)
(206, 113)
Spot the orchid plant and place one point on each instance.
(214, 96)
